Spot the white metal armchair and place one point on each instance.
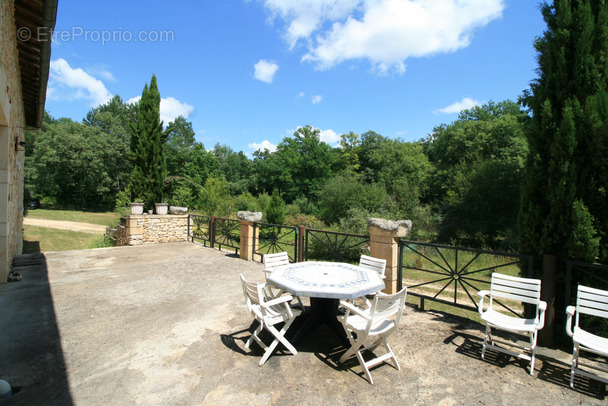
(522, 290)
(590, 302)
(374, 325)
(271, 261)
(268, 311)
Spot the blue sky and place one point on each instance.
(248, 73)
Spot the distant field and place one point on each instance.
(104, 219)
(41, 239)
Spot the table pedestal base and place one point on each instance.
(323, 311)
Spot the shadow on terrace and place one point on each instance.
(167, 323)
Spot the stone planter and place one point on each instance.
(178, 210)
(161, 208)
(137, 208)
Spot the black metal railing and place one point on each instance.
(332, 246)
(276, 238)
(199, 228)
(226, 233)
(453, 275)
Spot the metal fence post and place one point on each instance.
(301, 234)
(546, 335)
(211, 231)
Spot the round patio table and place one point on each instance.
(325, 283)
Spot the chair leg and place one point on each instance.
(351, 350)
(574, 364)
(485, 341)
(255, 337)
(365, 369)
(279, 338)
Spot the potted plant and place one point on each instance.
(137, 208)
(161, 208)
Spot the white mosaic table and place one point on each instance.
(325, 283)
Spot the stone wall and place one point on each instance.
(151, 229)
(12, 124)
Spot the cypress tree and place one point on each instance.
(563, 209)
(147, 148)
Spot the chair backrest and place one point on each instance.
(386, 306)
(274, 260)
(250, 290)
(591, 301)
(374, 264)
(512, 287)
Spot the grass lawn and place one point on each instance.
(42, 239)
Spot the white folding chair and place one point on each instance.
(268, 311)
(522, 290)
(374, 264)
(271, 261)
(591, 302)
(373, 325)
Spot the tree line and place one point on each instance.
(438, 182)
(528, 175)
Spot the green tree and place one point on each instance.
(275, 213)
(236, 168)
(563, 199)
(147, 148)
(179, 145)
(298, 168)
(346, 191)
(479, 161)
(113, 119)
(73, 164)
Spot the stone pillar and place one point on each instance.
(248, 235)
(384, 237)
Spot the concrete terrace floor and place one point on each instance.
(166, 325)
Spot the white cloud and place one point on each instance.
(170, 108)
(330, 137)
(385, 32)
(262, 146)
(265, 70)
(301, 94)
(316, 99)
(465, 104)
(75, 84)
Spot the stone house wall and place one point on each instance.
(12, 124)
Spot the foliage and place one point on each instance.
(479, 161)
(347, 191)
(275, 213)
(299, 167)
(147, 148)
(73, 164)
(566, 171)
(215, 198)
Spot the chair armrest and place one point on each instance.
(278, 300)
(482, 294)
(542, 306)
(353, 309)
(570, 310)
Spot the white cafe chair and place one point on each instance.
(590, 302)
(374, 264)
(522, 290)
(268, 311)
(369, 328)
(271, 261)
